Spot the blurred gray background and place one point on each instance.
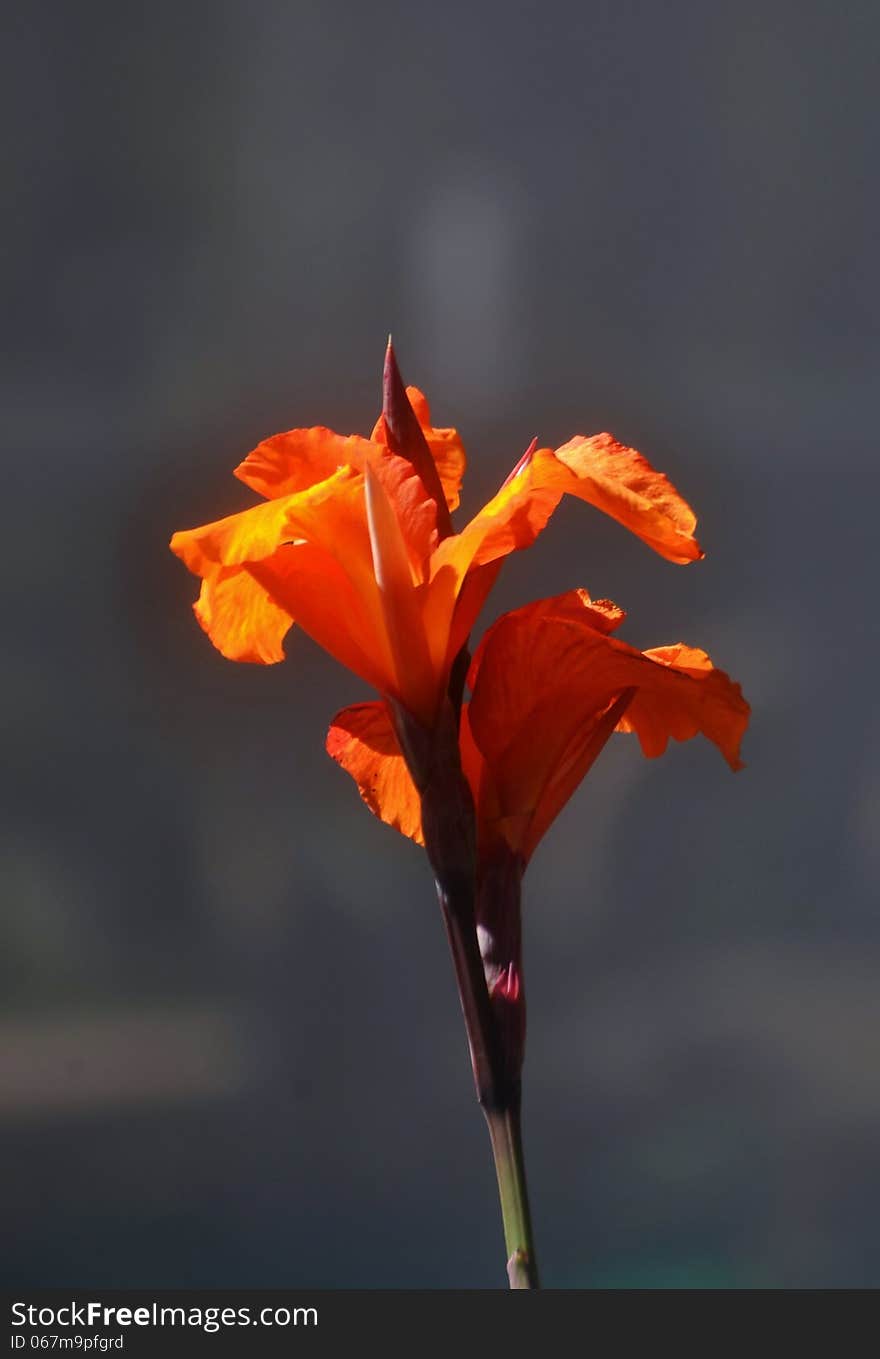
(230, 1043)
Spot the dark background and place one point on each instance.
(230, 1043)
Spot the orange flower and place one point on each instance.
(354, 542)
(549, 686)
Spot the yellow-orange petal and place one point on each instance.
(332, 516)
(254, 534)
(623, 484)
(249, 536)
(310, 551)
(297, 459)
(300, 459)
(545, 683)
(361, 739)
(474, 592)
(240, 617)
(417, 682)
(446, 447)
(512, 519)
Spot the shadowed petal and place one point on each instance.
(545, 683)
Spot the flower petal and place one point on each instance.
(240, 617)
(624, 485)
(299, 458)
(248, 536)
(418, 684)
(446, 447)
(361, 739)
(512, 519)
(545, 682)
(310, 551)
(414, 508)
(475, 590)
(687, 695)
(314, 588)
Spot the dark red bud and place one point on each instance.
(406, 439)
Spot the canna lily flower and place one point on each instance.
(550, 684)
(354, 542)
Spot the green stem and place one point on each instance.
(504, 1130)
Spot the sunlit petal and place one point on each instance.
(240, 617)
(361, 739)
(623, 484)
(299, 458)
(416, 681)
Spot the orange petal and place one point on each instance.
(534, 720)
(310, 551)
(333, 516)
(299, 458)
(312, 587)
(512, 519)
(362, 740)
(545, 680)
(687, 696)
(624, 485)
(417, 683)
(241, 618)
(249, 536)
(474, 591)
(446, 447)
(414, 509)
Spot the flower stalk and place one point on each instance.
(504, 1130)
(493, 1010)
(498, 1088)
